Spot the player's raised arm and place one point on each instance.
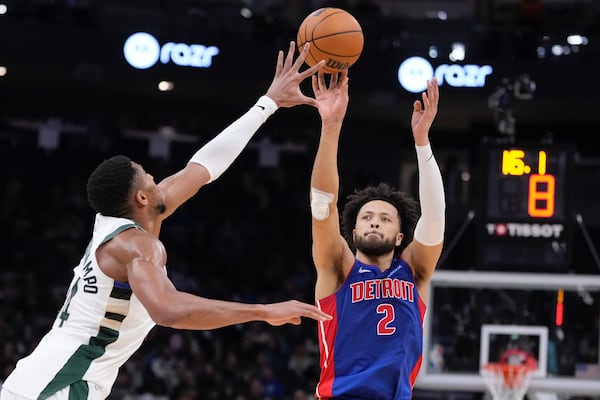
(331, 253)
(425, 250)
(209, 162)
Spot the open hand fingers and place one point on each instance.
(321, 79)
(417, 106)
(279, 65)
(310, 311)
(301, 56)
(312, 70)
(343, 77)
(430, 100)
(433, 91)
(333, 80)
(338, 79)
(425, 100)
(289, 59)
(315, 313)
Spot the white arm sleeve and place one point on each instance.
(218, 154)
(430, 226)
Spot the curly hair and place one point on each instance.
(407, 211)
(109, 186)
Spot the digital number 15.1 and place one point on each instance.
(542, 186)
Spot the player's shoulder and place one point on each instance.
(133, 242)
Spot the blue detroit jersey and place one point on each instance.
(372, 348)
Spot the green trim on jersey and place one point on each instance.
(71, 374)
(77, 365)
(79, 390)
(117, 231)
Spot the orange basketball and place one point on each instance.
(334, 35)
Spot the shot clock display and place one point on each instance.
(525, 217)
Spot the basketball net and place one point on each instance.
(506, 381)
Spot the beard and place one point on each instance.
(374, 246)
(161, 208)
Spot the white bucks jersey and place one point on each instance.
(100, 326)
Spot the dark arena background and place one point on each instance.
(519, 100)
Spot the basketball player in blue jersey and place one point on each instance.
(120, 289)
(373, 268)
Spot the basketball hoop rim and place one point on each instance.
(497, 366)
(513, 376)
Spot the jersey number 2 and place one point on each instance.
(383, 326)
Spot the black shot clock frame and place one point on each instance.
(525, 220)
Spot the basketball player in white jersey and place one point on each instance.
(120, 289)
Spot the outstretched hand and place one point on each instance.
(285, 87)
(424, 114)
(291, 311)
(332, 99)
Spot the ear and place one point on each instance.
(399, 237)
(353, 234)
(141, 198)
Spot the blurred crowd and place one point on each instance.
(245, 237)
(238, 241)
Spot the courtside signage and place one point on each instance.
(414, 72)
(143, 51)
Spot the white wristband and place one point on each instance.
(218, 154)
(266, 107)
(431, 224)
(424, 153)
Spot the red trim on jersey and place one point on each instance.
(422, 310)
(415, 371)
(327, 333)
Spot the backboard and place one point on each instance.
(525, 343)
(473, 316)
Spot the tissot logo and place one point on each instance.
(512, 229)
(142, 51)
(414, 72)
